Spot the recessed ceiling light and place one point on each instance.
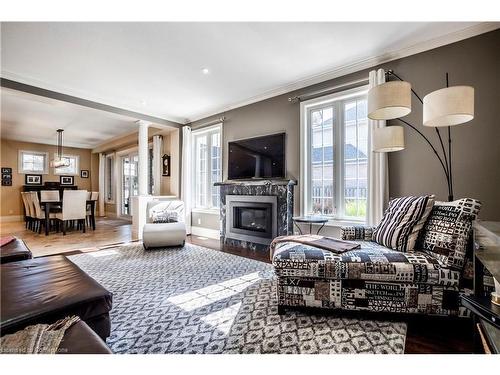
(143, 102)
(205, 71)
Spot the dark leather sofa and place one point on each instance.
(43, 290)
(14, 251)
(80, 339)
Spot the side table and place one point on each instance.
(310, 220)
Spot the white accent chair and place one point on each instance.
(164, 234)
(73, 208)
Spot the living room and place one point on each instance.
(248, 189)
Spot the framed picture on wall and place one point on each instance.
(166, 165)
(33, 179)
(6, 179)
(84, 173)
(6, 170)
(67, 180)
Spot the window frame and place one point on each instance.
(208, 131)
(20, 163)
(58, 171)
(306, 109)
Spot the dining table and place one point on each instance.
(47, 204)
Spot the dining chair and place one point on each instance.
(92, 196)
(50, 196)
(38, 213)
(27, 209)
(73, 208)
(31, 208)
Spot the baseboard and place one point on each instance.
(11, 218)
(205, 232)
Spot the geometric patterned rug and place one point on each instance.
(198, 300)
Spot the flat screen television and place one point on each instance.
(257, 158)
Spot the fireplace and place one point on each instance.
(251, 219)
(254, 212)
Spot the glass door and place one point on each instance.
(130, 182)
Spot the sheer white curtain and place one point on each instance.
(378, 171)
(186, 174)
(157, 161)
(102, 166)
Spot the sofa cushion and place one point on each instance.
(371, 262)
(447, 231)
(402, 222)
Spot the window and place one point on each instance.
(207, 167)
(109, 179)
(334, 156)
(73, 168)
(33, 162)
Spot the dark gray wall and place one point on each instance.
(415, 170)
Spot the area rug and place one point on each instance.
(198, 300)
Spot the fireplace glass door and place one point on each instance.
(252, 219)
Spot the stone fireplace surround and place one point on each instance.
(275, 190)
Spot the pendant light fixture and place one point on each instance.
(59, 161)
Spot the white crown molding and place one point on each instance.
(427, 45)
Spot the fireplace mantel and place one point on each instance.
(256, 182)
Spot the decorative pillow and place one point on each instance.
(166, 216)
(447, 231)
(402, 221)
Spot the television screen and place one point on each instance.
(260, 157)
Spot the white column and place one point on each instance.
(102, 165)
(143, 158)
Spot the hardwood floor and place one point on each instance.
(425, 335)
(109, 231)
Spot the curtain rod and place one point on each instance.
(328, 90)
(212, 122)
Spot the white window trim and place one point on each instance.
(305, 145)
(58, 172)
(194, 134)
(25, 171)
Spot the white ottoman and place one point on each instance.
(164, 235)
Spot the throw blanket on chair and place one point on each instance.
(37, 339)
(326, 243)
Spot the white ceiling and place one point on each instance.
(156, 68)
(31, 118)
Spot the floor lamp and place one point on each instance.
(441, 108)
